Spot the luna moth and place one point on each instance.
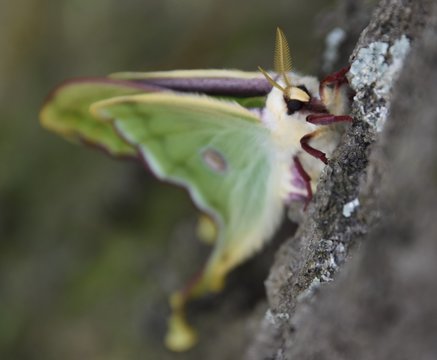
(244, 145)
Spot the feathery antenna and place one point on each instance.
(282, 64)
(282, 61)
(270, 80)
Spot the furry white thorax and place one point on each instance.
(287, 130)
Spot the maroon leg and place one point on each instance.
(338, 78)
(323, 117)
(306, 178)
(310, 150)
(335, 80)
(327, 119)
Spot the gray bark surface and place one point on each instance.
(361, 286)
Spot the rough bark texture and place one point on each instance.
(382, 304)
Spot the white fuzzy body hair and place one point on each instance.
(287, 130)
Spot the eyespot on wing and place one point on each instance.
(214, 160)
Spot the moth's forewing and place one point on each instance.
(66, 112)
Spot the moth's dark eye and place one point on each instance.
(294, 105)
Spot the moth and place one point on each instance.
(244, 145)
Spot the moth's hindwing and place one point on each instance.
(220, 152)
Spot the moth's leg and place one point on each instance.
(335, 92)
(335, 95)
(304, 143)
(305, 177)
(327, 119)
(300, 186)
(337, 79)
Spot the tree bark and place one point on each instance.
(379, 192)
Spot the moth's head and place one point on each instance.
(295, 97)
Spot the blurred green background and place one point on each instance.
(91, 247)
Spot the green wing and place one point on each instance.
(222, 154)
(66, 112)
(219, 151)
